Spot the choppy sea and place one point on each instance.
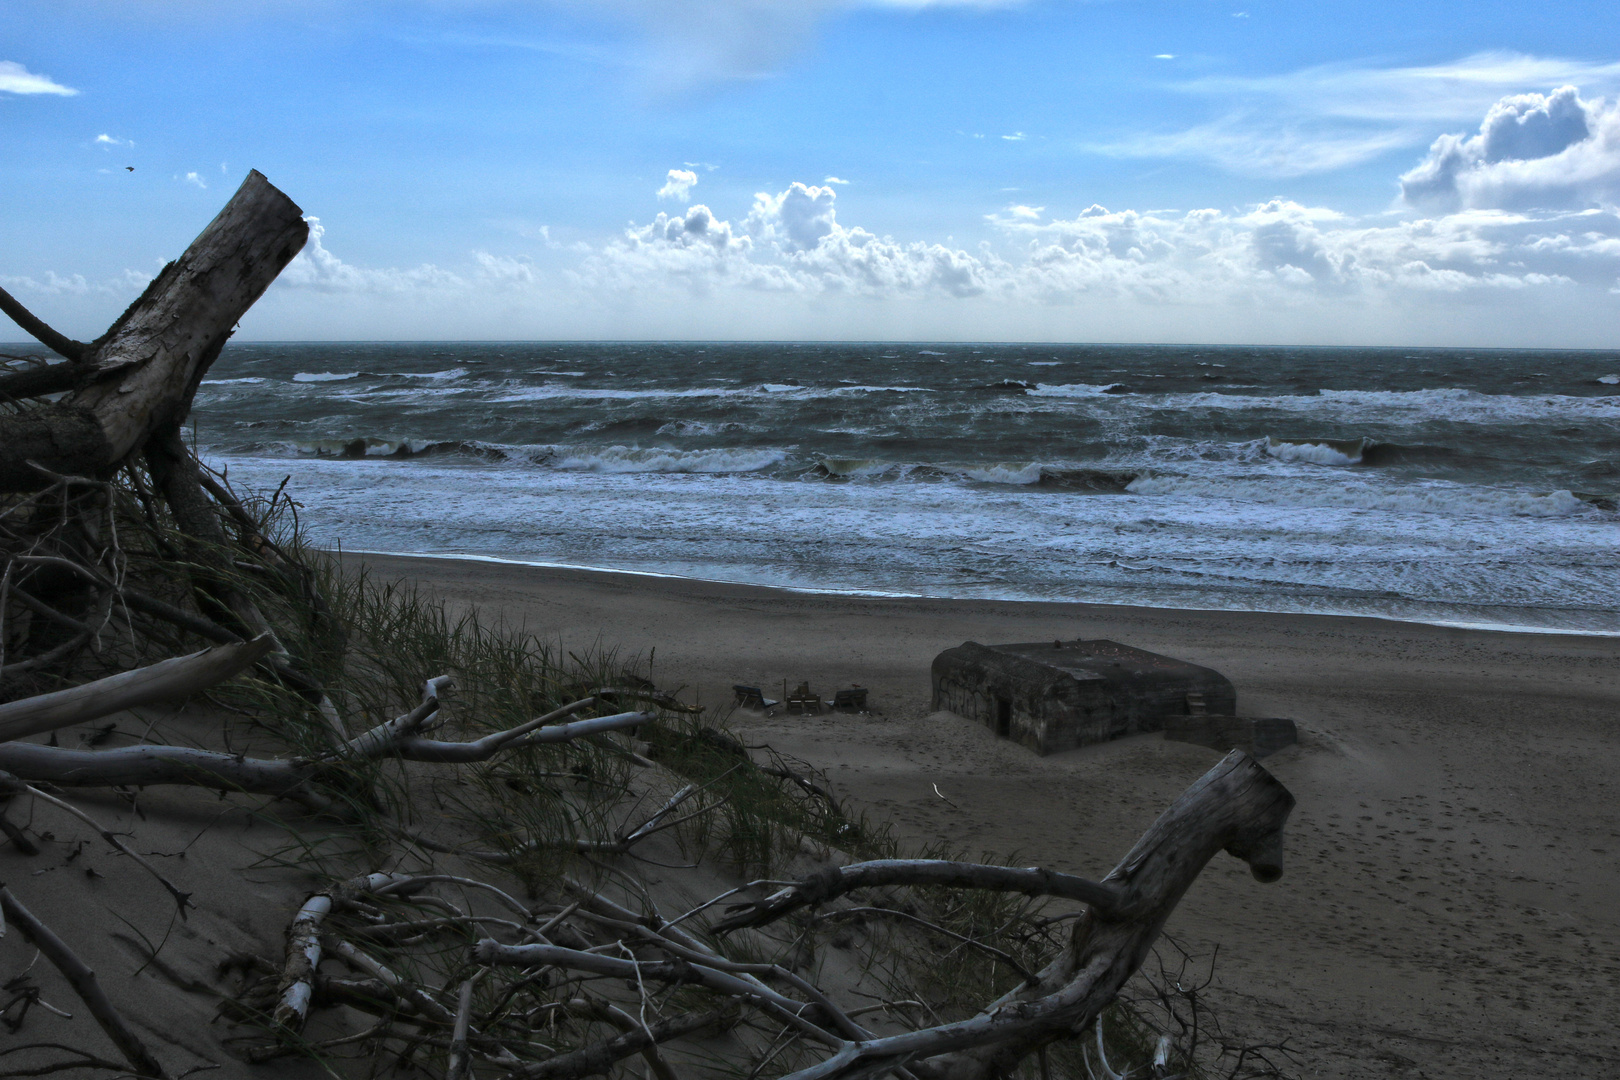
(1446, 486)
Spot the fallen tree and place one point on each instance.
(134, 577)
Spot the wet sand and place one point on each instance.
(1451, 905)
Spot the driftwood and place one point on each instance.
(1237, 807)
(168, 680)
(152, 765)
(141, 374)
(83, 981)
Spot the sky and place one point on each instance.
(1242, 171)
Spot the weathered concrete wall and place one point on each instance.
(1061, 695)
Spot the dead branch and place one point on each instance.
(600, 1057)
(165, 681)
(36, 328)
(151, 765)
(84, 983)
(10, 784)
(835, 881)
(1237, 806)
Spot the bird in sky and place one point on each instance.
(129, 168)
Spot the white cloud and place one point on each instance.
(16, 79)
(316, 268)
(1532, 150)
(1333, 116)
(679, 185)
(1017, 136)
(195, 180)
(1164, 56)
(110, 141)
(122, 286)
(791, 265)
(834, 180)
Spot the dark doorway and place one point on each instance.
(1003, 717)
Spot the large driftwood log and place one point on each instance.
(164, 681)
(1237, 806)
(141, 374)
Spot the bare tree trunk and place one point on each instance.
(143, 372)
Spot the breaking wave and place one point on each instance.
(1453, 501)
(631, 459)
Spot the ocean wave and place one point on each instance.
(635, 459)
(1448, 500)
(324, 376)
(1400, 406)
(1609, 380)
(1010, 473)
(371, 446)
(1321, 452)
(449, 373)
(841, 468)
(1074, 390)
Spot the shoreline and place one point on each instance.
(1446, 906)
(879, 594)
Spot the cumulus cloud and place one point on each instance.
(1278, 251)
(678, 185)
(16, 79)
(315, 268)
(110, 141)
(1532, 150)
(1332, 116)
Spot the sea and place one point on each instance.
(1460, 487)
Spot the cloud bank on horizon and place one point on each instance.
(1469, 201)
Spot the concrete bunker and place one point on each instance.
(1059, 695)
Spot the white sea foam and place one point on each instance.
(1609, 380)
(451, 373)
(635, 459)
(1072, 390)
(230, 382)
(1399, 406)
(1326, 452)
(1450, 500)
(1006, 473)
(324, 376)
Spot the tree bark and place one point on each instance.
(143, 372)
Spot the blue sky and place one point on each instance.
(1196, 171)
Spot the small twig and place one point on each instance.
(181, 899)
(84, 983)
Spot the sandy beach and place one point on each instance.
(1448, 907)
